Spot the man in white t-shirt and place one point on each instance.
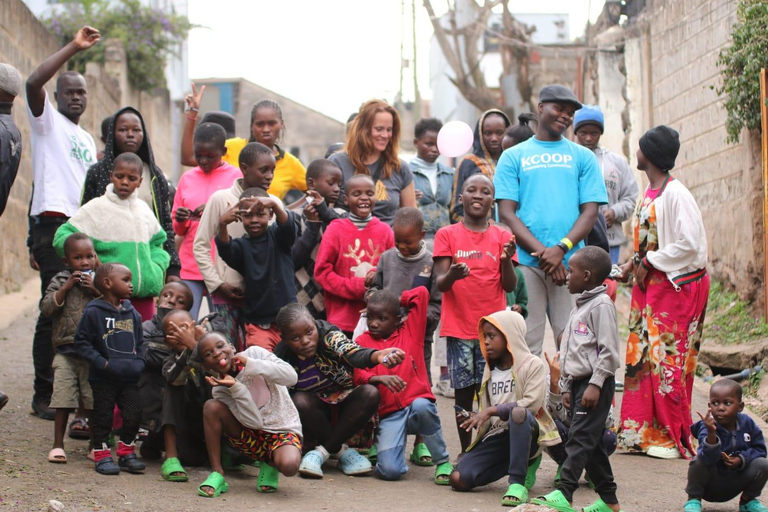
(61, 155)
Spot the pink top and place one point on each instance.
(195, 188)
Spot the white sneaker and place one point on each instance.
(659, 452)
(443, 387)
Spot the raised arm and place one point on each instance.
(188, 133)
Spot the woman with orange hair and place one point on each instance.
(372, 149)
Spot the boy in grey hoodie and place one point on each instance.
(589, 357)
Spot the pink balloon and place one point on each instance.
(454, 139)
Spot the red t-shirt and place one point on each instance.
(480, 293)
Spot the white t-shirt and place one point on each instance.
(502, 390)
(62, 152)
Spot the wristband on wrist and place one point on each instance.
(562, 247)
(645, 263)
(567, 243)
(192, 109)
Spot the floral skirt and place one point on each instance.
(665, 327)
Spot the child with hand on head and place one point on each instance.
(324, 359)
(348, 254)
(224, 284)
(313, 214)
(512, 423)
(252, 409)
(64, 301)
(589, 357)
(473, 268)
(124, 230)
(263, 257)
(731, 458)
(407, 404)
(110, 338)
(192, 192)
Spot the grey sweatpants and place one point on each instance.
(545, 300)
(707, 483)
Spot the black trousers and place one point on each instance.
(706, 482)
(105, 396)
(50, 265)
(585, 448)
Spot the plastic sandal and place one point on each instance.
(557, 475)
(752, 506)
(215, 481)
(419, 454)
(601, 506)
(555, 500)
(443, 473)
(268, 479)
(373, 454)
(530, 476)
(171, 466)
(352, 463)
(57, 456)
(78, 429)
(516, 495)
(693, 506)
(312, 464)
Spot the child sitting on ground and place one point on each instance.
(110, 338)
(589, 357)
(348, 254)
(64, 301)
(174, 295)
(124, 230)
(252, 409)
(324, 358)
(407, 404)
(313, 214)
(731, 458)
(512, 422)
(263, 257)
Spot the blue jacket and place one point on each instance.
(106, 334)
(746, 441)
(435, 207)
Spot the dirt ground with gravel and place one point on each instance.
(28, 481)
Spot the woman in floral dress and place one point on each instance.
(669, 299)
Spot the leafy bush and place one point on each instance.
(730, 319)
(740, 66)
(150, 36)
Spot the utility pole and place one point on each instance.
(415, 68)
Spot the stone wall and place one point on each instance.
(25, 43)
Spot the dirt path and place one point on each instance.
(28, 480)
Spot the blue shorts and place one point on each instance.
(465, 362)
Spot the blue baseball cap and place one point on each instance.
(589, 114)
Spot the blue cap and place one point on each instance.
(589, 114)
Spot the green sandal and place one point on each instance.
(373, 454)
(215, 481)
(268, 479)
(443, 473)
(516, 495)
(530, 476)
(555, 500)
(171, 466)
(599, 506)
(421, 456)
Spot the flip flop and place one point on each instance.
(171, 466)
(421, 456)
(78, 429)
(216, 481)
(601, 506)
(516, 495)
(57, 456)
(268, 479)
(443, 473)
(555, 500)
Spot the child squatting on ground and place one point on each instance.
(731, 455)
(589, 357)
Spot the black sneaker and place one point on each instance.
(131, 463)
(107, 467)
(42, 410)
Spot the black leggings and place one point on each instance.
(354, 412)
(105, 396)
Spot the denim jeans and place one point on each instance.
(418, 418)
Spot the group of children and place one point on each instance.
(289, 362)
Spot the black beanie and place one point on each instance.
(660, 145)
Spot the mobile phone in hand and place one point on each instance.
(461, 411)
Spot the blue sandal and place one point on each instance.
(312, 464)
(353, 464)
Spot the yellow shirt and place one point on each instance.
(289, 171)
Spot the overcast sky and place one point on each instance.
(330, 55)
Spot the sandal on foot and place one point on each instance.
(373, 454)
(352, 463)
(171, 469)
(421, 456)
(692, 506)
(530, 476)
(752, 506)
(601, 506)
(216, 482)
(312, 464)
(443, 473)
(78, 429)
(516, 495)
(555, 500)
(57, 456)
(268, 478)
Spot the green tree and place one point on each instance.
(740, 66)
(150, 35)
